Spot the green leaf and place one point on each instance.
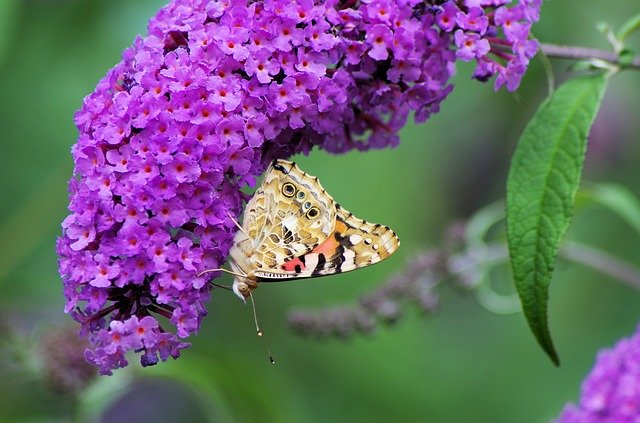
(541, 188)
(616, 198)
(628, 27)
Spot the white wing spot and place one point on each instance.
(311, 261)
(355, 239)
(349, 258)
(291, 222)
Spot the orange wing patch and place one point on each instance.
(353, 244)
(327, 249)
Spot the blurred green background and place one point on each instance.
(461, 364)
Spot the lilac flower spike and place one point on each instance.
(611, 393)
(198, 107)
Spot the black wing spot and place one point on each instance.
(298, 269)
(320, 265)
(288, 235)
(343, 240)
(313, 213)
(337, 261)
(278, 166)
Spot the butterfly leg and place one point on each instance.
(238, 275)
(222, 270)
(238, 225)
(228, 288)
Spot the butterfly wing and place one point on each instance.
(288, 216)
(353, 244)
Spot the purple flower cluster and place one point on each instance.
(494, 35)
(611, 393)
(198, 107)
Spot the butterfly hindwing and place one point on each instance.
(353, 244)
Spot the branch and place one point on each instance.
(571, 250)
(583, 53)
(605, 263)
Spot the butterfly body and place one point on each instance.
(293, 229)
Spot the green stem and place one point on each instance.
(584, 53)
(492, 254)
(604, 262)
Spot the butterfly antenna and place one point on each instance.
(259, 330)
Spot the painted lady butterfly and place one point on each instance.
(293, 229)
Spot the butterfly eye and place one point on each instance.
(313, 213)
(288, 189)
(301, 195)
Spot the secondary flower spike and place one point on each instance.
(198, 107)
(611, 392)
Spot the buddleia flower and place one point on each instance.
(199, 106)
(611, 392)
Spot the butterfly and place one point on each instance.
(293, 229)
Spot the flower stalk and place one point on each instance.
(584, 53)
